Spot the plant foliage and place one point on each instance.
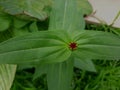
(66, 44)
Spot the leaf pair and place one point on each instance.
(54, 46)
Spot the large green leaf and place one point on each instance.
(45, 46)
(32, 8)
(7, 73)
(97, 45)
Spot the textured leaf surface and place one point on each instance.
(43, 46)
(7, 73)
(33, 8)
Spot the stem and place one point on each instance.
(118, 14)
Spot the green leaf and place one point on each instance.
(20, 31)
(84, 64)
(4, 21)
(19, 23)
(45, 46)
(85, 7)
(97, 45)
(65, 16)
(33, 27)
(35, 8)
(59, 75)
(7, 74)
(32, 8)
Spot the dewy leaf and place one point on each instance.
(45, 46)
(97, 45)
(33, 8)
(7, 73)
